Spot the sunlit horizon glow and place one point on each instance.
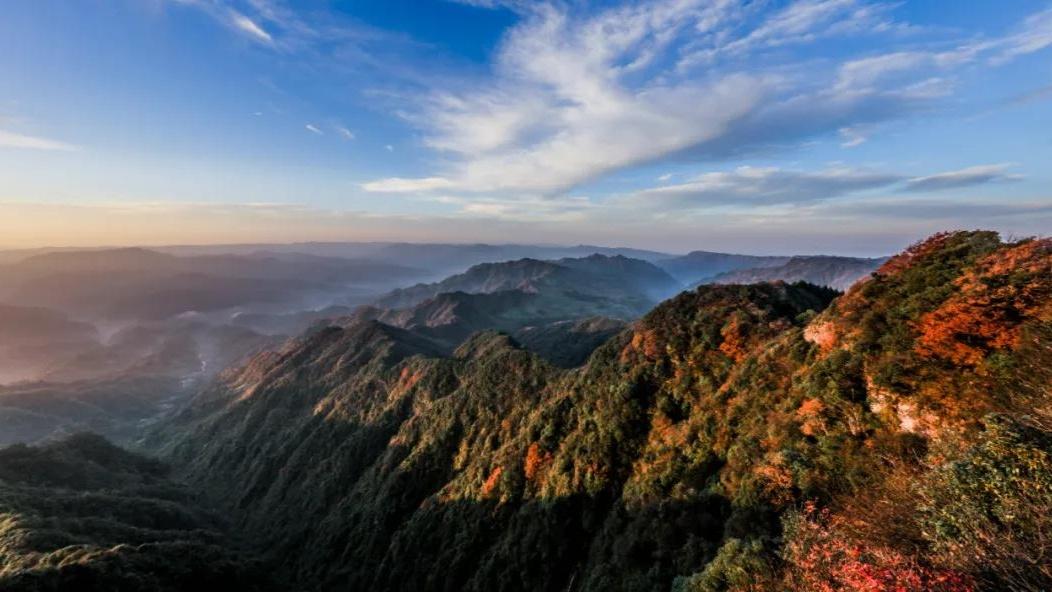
(807, 126)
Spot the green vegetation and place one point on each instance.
(736, 438)
(81, 514)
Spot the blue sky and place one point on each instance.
(848, 126)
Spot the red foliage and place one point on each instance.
(537, 460)
(820, 558)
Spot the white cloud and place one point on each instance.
(15, 140)
(851, 137)
(976, 175)
(750, 187)
(762, 186)
(578, 96)
(1035, 34)
(800, 22)
(250, 27)
(560, 111)
(314, 129)
(400, 185)
(345, 133)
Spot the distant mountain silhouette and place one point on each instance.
(835, 272)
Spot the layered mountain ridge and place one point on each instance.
(737, 437)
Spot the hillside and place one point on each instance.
(735, 439)
(836, 272)
(81, 514)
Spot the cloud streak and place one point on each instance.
(764, 186)
(769, 186)
(20, 141)
(967, 177)
(249, 27)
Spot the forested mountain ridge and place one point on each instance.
(684, 446)
(540, 303)
(737, 437)
(612, 285)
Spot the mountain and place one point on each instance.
(612, 286)
(32, 339)
(698, 266)
(836, 272)
(439, 258)
(118, 408)
(57, 386)
(81, 514)
(561, 334)
(568, 344)
(737, 437)
(539, 303)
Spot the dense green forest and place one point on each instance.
(82, 514)
(738, 437)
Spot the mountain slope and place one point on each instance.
(81, 514)
(836, 272)
(418, 448)
(680, 452)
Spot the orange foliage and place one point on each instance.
(408, 379)
(810, 414)
(776, 479)
(1006, 289)
(537, 461)
(822, 334)
(492, 480)
(645, 341)
(734, 344)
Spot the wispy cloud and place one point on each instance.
(314, 129)
(250, 27)
(976, 175)
(578, 96)
(763, 186)
(1033, 35)
(21, 141)
(400, 185)
(770, 186)
(344, 133)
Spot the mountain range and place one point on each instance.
(737, 437)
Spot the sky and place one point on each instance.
(759, 126)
